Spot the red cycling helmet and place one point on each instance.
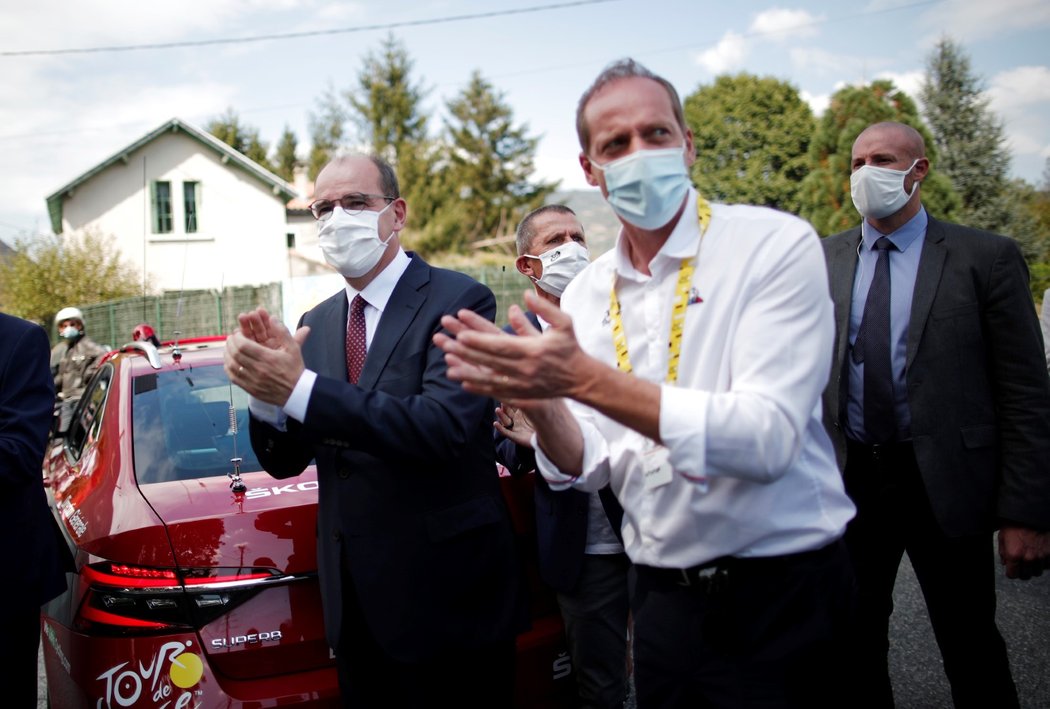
(143, 331)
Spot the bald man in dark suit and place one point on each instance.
(954, 441)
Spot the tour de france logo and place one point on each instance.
(167, 678)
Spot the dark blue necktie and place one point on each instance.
(872, 347)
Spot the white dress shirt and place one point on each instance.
(376, 295)
(744, 416)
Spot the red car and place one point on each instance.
(196, 572)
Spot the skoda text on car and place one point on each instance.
(196, 572)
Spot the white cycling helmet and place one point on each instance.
(68, 314)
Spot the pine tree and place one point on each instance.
(490, 162)
(969, 137)
(239, 136)
(285, 158)
(327, 128)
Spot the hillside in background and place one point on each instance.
(600, 224)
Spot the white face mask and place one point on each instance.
(351, 243)
(560, 265)
(879, 191)
(647, 187)
(70, 332)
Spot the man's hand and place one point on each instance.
(513, 369)
(514, 425)
(1024, 552)
(263, 357)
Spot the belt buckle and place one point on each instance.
(707, 578)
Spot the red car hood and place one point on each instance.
(273, 524)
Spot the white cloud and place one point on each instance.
(967, 20)
(783, 24)
(1019, 87)
(820, 61)
(1020, 96)
(818, 103)
(725, 56)
(909, 82)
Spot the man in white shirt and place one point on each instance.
(685, 370)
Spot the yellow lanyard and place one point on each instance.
(685, 277)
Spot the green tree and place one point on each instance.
(490, 161)
(327, 131)
(752, 135)
(387, 108)
(285, 158)
(969, 137)
(825, 192)
(240, 136)
(47, 273)
(387, 104)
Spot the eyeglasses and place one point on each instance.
(353, 203)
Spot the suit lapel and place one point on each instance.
(842, 264)
(405, 301)
(927, 280)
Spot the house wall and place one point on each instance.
(241, 232)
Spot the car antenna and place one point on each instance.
(236, 484)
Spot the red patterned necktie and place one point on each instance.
(356, 340)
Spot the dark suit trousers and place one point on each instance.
(474, 678)
(768, 634)
(956, 576)
(19, 643)
(595, 613)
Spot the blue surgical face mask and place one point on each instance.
(647, 187)
(70, 332)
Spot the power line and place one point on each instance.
(298, 35)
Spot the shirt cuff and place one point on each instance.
(300, 398)
(268, 413)
(593, 475)
(683, 426)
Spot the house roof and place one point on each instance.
(227, 154)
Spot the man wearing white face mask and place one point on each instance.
(684, 371)
(939, 405)
(415, 548)
(577, 533)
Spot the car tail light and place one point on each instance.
(123, 599)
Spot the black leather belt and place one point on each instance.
(879, 451)
(713, 575)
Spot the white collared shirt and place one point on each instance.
(745, 414)
(376, 295)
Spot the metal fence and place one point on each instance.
(201, 313)
(196, 313)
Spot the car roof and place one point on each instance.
(198, 351)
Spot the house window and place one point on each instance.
(160, 194)
(191, 194)
(289, 240)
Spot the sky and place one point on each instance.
(62, 112)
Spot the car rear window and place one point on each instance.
(182, 426)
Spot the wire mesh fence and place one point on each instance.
(201, 313)
(197, 313)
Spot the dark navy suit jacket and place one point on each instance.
(408, 495)
(36, 558)
(561, 517)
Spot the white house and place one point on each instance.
(191, 212)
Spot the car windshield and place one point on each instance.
(182, 427)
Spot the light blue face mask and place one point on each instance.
(647, 187)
